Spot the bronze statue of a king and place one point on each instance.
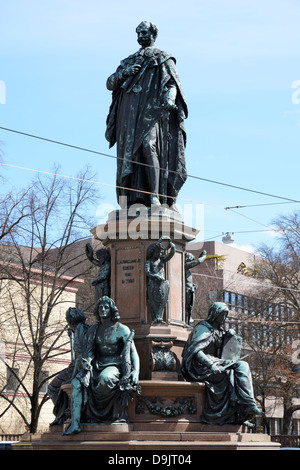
(146, 120)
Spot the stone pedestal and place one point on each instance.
(128, 238)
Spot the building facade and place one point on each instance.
(32, 329)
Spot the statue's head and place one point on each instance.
(75, 316)
(218, 312)
(154, 250)
(158, 249)
(146, 33)
(106, 306)
(103, 255)
(189, 256)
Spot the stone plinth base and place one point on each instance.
(166, 416)
(124, 437)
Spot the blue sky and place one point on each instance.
(237, 59)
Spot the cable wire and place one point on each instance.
(146, 165)
(258, 205)
(239, 280)
(104, 184)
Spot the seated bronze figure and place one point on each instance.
(229, 390)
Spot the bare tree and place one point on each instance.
(13, 208)
(279, 267)
(268, 338)
(37, 266)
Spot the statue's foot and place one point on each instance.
(57, 422)
(73, 428)
(158, 322)
(248, 424)
(155, 201)
(120, 421)
(189, 323)
(254, 411)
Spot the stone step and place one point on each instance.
(137, 436)
(145, 445)
(124, 437)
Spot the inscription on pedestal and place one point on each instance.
(128, 285)
(128, 271)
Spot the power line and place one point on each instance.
(146, 165)
(252, 231)
(103, 184)
(238, 280)
(243, 231)
(131, 189)
(252, 220)
(258, 205)
(140, 191)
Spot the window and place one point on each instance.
(213, 295)
(232, 301)
(246, 305)
(226, 297)
(44, 381)
(239, 303)
(279, 425)
(12, 381)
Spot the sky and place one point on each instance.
(238, 61)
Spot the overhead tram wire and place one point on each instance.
(76, 178)
(122, 187)
(243, 231)
(129, 189)
(269, 286)
(146, 165)
(259, 205)
(146, 192)
(268, 228)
